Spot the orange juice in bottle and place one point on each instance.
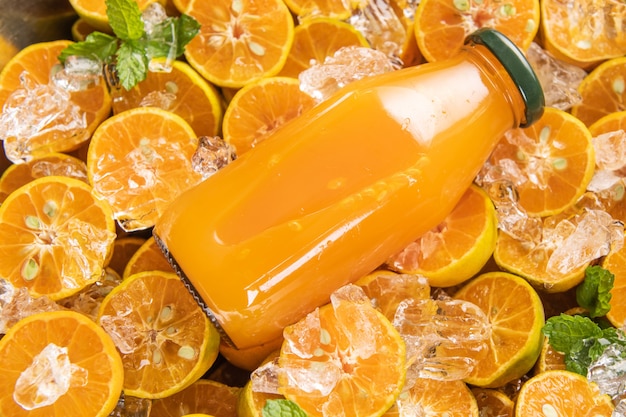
(332, 194)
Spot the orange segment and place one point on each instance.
(203, 396)
(562, 393)
(166, 341)
(239, 41)
(148, 257)
(458, 248)
(602, 92)
(140, 160)
(182, 91)
(441, 26)
(616, 263)
(316, 39)
(55, 163)
(55, 236)
(550, 163)
(40, 351)
(345, 357)
(436, 398)
(516, 316)
(261, 107)
(493, 403)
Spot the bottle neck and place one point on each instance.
(500, 80)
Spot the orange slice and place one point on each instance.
(549, 359)
(203, 396)
(251, 402)
(261, 107)
(553, 162)
(561, 393)
(316, 39)
(516, 315)
(441, 26)
(182, 91)
(55, 236)
(123, 249)
(616, 263)
(166, 341)
(55, 163)
(38, 61)
(239, 41)
(493, 403)
(602, 91)
(80, 30)
(584, 32)
(344, 358)
(434, 398)
(456, 249)
(334, 9)
(57, 364)
(139, 161)
(93, 12)
(148, 257)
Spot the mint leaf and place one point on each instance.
(282, 408)
(97, 45)
(132, 64)
(125, 19)
(186, 28)
(594, 292)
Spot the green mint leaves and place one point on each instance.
(131, 49)
(580, 339)
(282, 408)
(593, 293)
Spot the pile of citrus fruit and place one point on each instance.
(95, 321)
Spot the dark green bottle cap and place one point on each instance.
(518, 68)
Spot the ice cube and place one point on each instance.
(17, 303)
(212, 154)
(610, 150)
(78, 74)
(608, 371)
(265, 377)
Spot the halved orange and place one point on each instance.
(434, 398)
(59, 363)
(562, 393)
(55, 236)
(441, 26)
(584, 32)
(80, 30)
(147, 257)
(139, 161)
(344, 358)
(182, 91)
(549, 359)
(203, 396)
(165, 339)
(36, 63)
(516, 316)
(615, 262)
(305, 9)
(493, 402)
(316, 39)
(457, 248)
(54, 163)
(93, 12)
(261, 107)
(239, 41)
(602, 91)
(251, 402)
(123, 249)
(550, 163)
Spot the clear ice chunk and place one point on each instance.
(50, 375)
(162, 38)
(212, 154)
(128, 406)
(78, 74)
(610, 150)
(17, 303)
(387, 289)
(265, 378)
(608, 371)
(348, 64)
(122, 331)
(559, 79)
(34, 110)
(88, 300)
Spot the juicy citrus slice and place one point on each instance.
(93, 12)
(148, 257)
(55, 237)
(123, 250)
(166, 341)
(344, 357)
(140, 160)
(434, 398)
(182, 91)
(493, 403)
(602, 91)
(457, 248)
(553, 162)
(55, 163)
(561, 393)
(203, 396)
(441, 26)
(37, 62)
(583, 32)
(261, 107)
(334, 9)
(516, 315)
(616, 263)
(58, 364)
(80, 29)
(316, 39)
(7, 51)
(239, 41)
(549, 359)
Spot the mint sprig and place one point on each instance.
(131, 49)
(594, 293)
(282, 408)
